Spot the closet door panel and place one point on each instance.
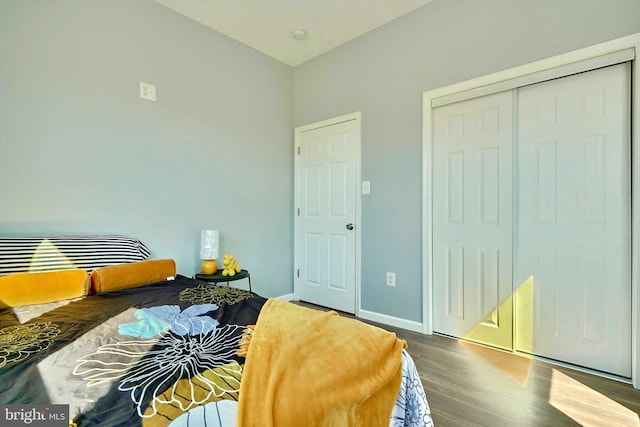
(472, 220)
(573, 220)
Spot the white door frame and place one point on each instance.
(357, 118)
(477, 85)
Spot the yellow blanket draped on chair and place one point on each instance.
(310, 368)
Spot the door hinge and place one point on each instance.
(298, 211)
(298, 273)
(298, 151)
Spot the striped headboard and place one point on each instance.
(36, 254)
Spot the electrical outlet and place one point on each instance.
(391, 279)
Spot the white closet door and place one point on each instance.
(472, 220)
(573, 229)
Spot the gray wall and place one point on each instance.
(81, 153)
(384, 73)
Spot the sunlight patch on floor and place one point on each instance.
(515, 366)
(586, 406)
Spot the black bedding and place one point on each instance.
(169, 353)
(170, 347)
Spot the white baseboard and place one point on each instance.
(384, 319)
(396, 322)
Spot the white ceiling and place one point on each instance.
(266, 25)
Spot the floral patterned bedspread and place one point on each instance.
(165, 354)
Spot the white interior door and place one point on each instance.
(472, 220)
(326, 215)
(573, 230)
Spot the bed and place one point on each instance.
(136, 344)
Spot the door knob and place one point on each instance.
(350, 226)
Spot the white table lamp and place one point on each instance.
(209, 247)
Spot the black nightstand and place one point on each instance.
(218, 277)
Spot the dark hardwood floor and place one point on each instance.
(472, 385)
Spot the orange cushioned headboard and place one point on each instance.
(38, 288)
(132, 275)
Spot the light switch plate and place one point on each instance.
(147, 91)
(366, 187)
